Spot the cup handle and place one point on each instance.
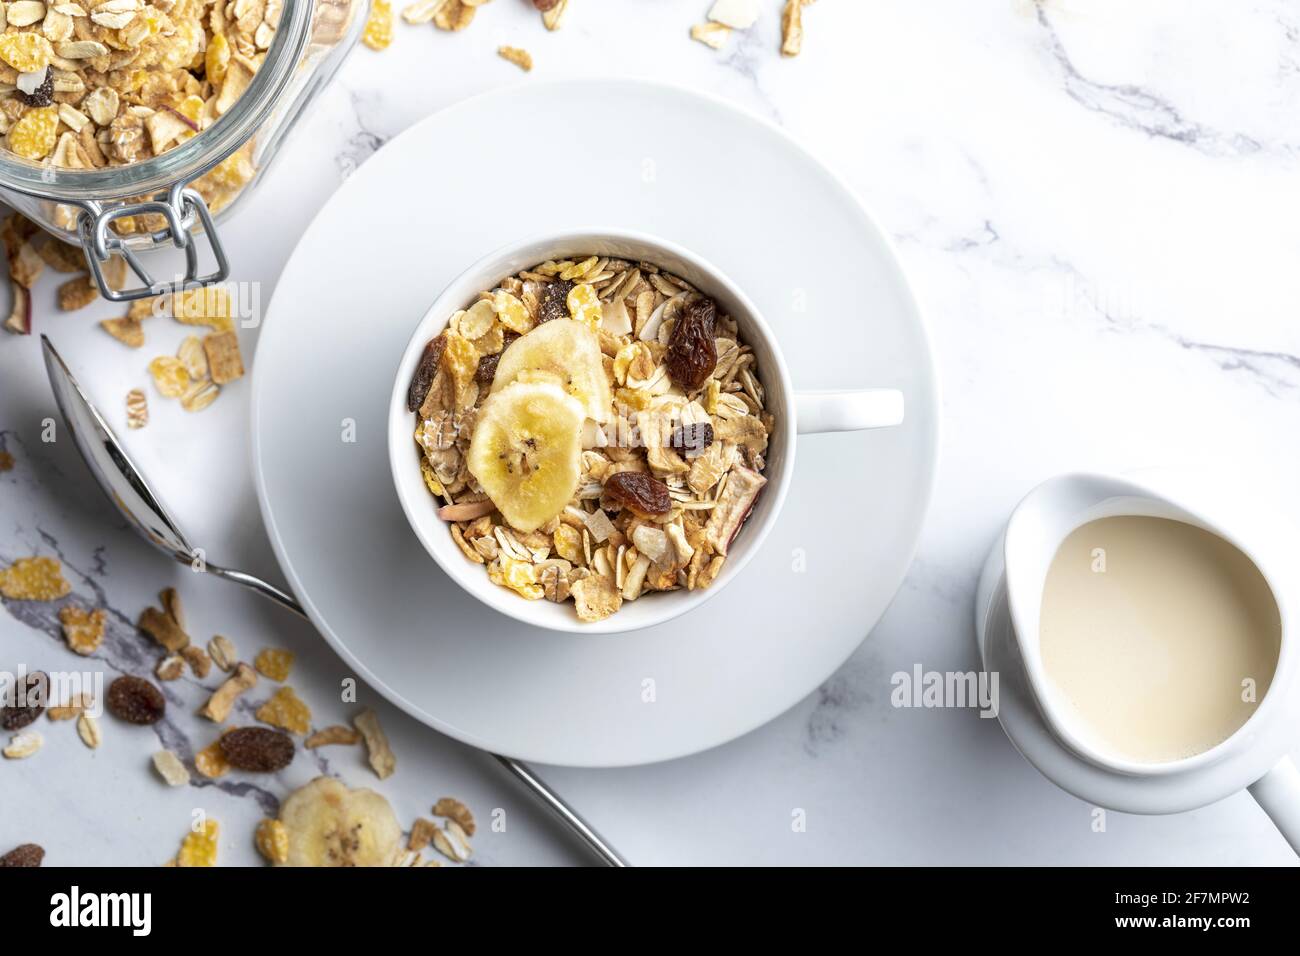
(848, 411)
(1278, 795)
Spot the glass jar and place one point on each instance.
(98, 209)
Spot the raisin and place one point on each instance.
(136, 701)
(692, 354)
(26, 708)
(545, 5)
(43, 95)
(257, 749)
(554, 301)
(424, 372)
(639, 493)
(487, 369)
(29, 854)
(692, 439)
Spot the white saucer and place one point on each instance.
(1020, 718)
(522, 161)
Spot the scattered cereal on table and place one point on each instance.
(286, 710)
(520, 58)
(453, 809)
(711, 34)
(82, 629)
(382, 759)
(272, 840)
(34, 579)
(199, 848)
(218, 707)
(378, 32)
(334, 734)
(170, 768)
(222, 350)
(137, 409)
(89, 732)
(211, 761)
(274, 663)
(129, 332)
(454, 15)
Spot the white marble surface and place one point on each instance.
(1097, 202)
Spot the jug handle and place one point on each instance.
(1278, 795)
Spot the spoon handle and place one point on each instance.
(261, 587)
(595, 842)
(553, 802)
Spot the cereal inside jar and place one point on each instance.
(594, 430)
(102, 83)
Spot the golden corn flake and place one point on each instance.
(584, 305)
(34, 579)
(209, 305)
(217, 59)
(430, 479)
(211, 761)
(568, 544)
(460, 359)
(286, 710)
(34, 135)
(199, 848)
(518, 576)
(379, 28)
(170, 376)
(26, 52)
(231, 174)
(272, 838)
(274, 663)
(127, 331)
(513, 313)
(576, 270)
(82, 629)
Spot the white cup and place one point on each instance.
(795, 413)
(1255, 756)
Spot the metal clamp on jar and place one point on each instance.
(176, 197)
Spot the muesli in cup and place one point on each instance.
(594, 430)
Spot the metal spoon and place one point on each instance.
(126, 487)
